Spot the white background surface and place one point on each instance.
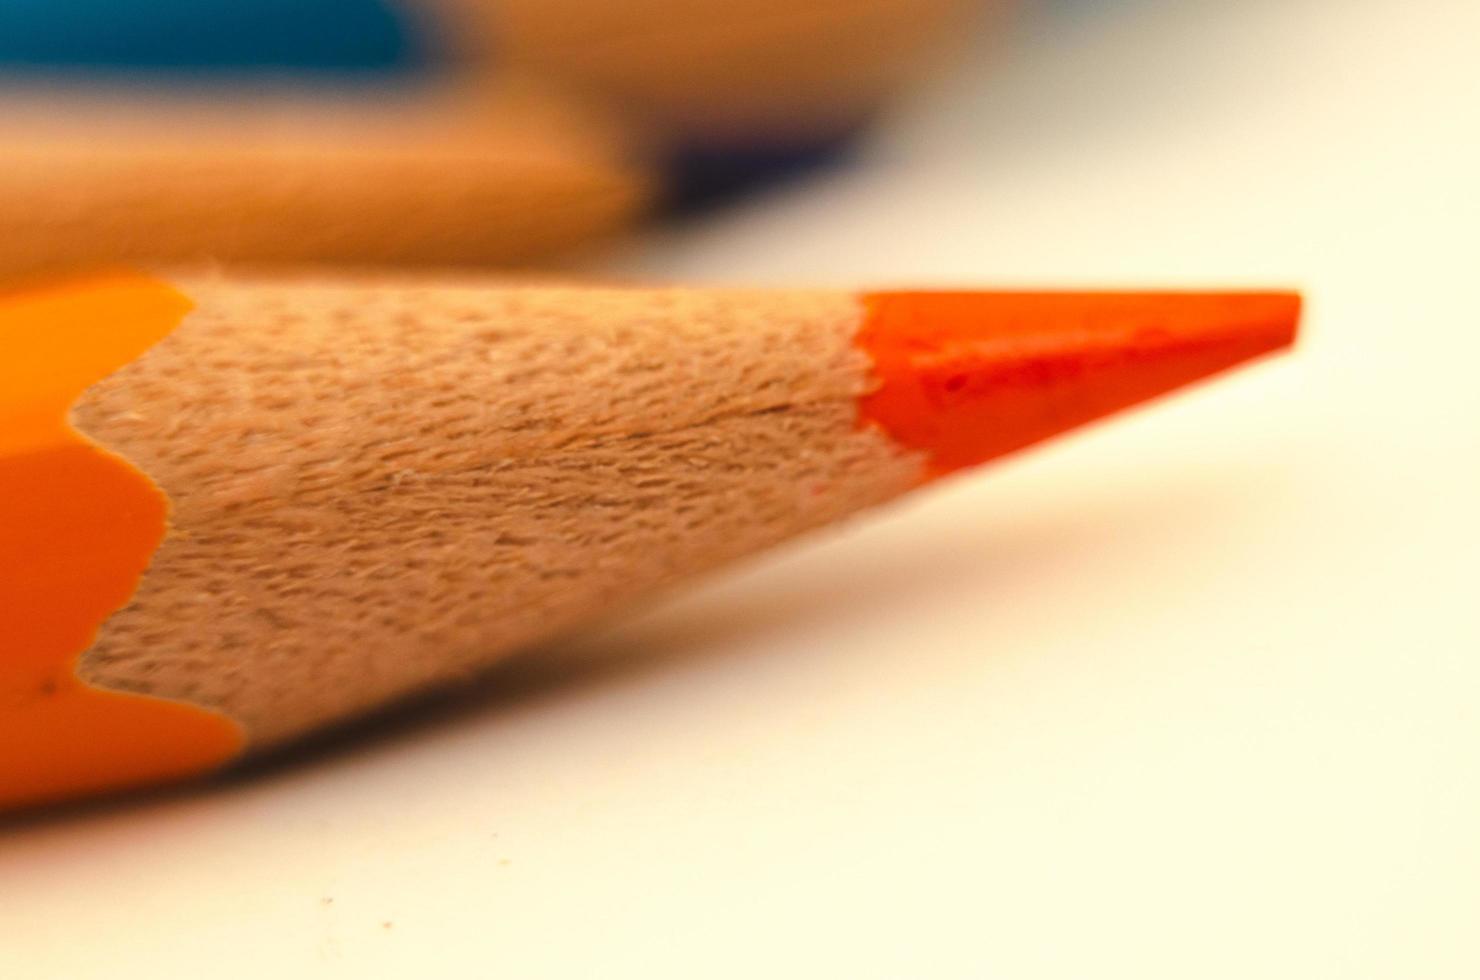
(1190, 696)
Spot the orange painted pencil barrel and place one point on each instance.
(236, 512)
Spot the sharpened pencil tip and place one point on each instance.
(969, 377)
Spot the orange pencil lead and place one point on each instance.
(968, 377)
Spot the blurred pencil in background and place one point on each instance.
(439, 132)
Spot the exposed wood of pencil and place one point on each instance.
(377, 489)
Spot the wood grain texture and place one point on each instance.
(380, 488)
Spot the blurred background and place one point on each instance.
(440, 132)
(1189, 696)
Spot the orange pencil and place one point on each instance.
(235, 512)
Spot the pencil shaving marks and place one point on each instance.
(381, 487)
(77, 528)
